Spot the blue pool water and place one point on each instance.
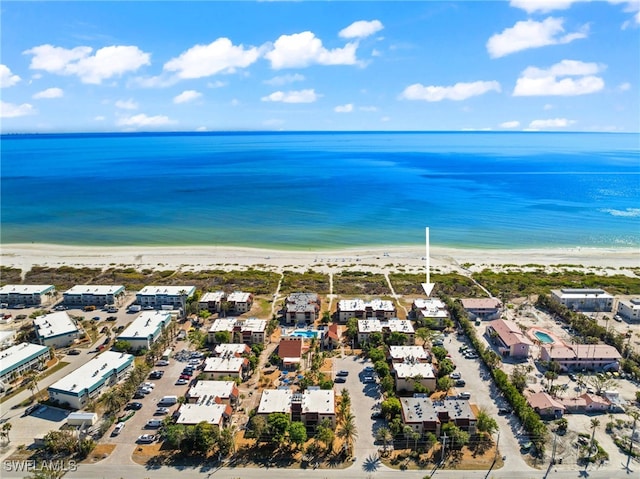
(304, 333)
(543, 337)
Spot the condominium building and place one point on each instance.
(211, 413)
(212, 301)
(226, 367)
(401, 326)
(629, 309)
(250, 331)
(424, 415)
(301, 307)
(357, 308)
(57, 329)
(310, 407)
(431, 309)
(93, 295)
(583, 299)
(219, 392)
(582, 356)
(240, 302)
(157, 296)
(482, 308)
(29, 295)
(145, 329)
(410, 372)
(21, 358)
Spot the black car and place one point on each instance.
(376, 415)
(112, 318)
(134, 405)
(74, 352)
(138, 395)
(460, 382)
(340, 379)
(503, 411)
(342, 373)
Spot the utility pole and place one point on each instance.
(553, 449)
(635, 416)
(495, 458)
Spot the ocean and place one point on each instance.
(317, 190)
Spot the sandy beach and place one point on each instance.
(408, 258)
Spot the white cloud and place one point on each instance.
(624, 86)
(284, 79)
(361, 29)
(457, 92)
(49, 93)
(542, 6)
(144, 120)
(7, 78)
(106, 63)
(368, 108)
(99, 118)
(127, 104)
(220, 56)
(304, 49)
(548, 106)
(551, 123)
(187, 96)
(531, 34)
(348, 108)
(385, 119)
(299, 96)
(510, 124)
(10, 110)
(216, 84)
(556, 80)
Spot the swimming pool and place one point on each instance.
(305, 333)
(543, 337)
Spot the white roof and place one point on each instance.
(403, 352)
(399, 325)
(196, 413)
(377, 326)
(234, 349)
(360, 305)
(581, 293)
(166, 290)
(275, 400)
(254, 325)
(321, 401)
(14, 356)
(412, 369)
(54, 324)
(93, 372)
(222, 324)
(26, 288)
(223, 365)
(633, 303)
(97, 289)
(430, 303)
(238, 297)
(147, 324)
(369, 326)
(207, 391)
(227, 324)
(215, 296)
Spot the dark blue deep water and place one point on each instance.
(322, 190)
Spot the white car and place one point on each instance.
(465, 395)
(144, 390)
(455, 376)
(162, 410)
(181, 382)
(146, 438)
(148, 385)
(162, 362)
(118, 429)
(194, 362)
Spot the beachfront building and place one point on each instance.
(400, 354)
(310, 407)
(212, 301)
(399, 330)
(411, 372)
(301, 308)
(582, 356)
(357, 308)
(56, 330)
(424, 415)
(231, 349)
(545, 405)
(19, 359)
(90, 380)
(508, 338)
(92, 295)
(484, 309)
(250, 331)
(586, 403)
(629, 309)
(224, 368)
(209, 412)
(583, 299)
(432, 311)
(333, 338)
(158, 296)
(213, 392)
(239, 302)
(145, 329)
(29, 295)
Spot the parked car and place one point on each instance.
(60, 307)
(162, 362)
(464, 395)
(460, 383)
(503, 411)
(185, 376)
(376, 415)
(368, 379)
(156, 374)
(340, 379)
(153, 423)
(96, 318)
(162, 410)
(146, 438)
(138, 395)
(455, 376)
(145, 390)
(134, 405)
(74, 352)
(342, 373)
(118, 429)
(112, 318)
(181, 382)
(149, 385)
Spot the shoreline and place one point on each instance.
(410, 258)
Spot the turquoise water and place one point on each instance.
(305, 334)
(322, 190)
(543, 337)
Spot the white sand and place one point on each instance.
(392, 258)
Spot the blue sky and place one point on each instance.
(551, 65)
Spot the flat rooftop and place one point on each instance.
(207, 391)
(166, 291)
(422, 409)
(145, 325)
(227, 349)
(360, 305)
(197, 413)
(412, 369)
(14, 356)
(238, 297)
(95, 289)
(54, 324)
(26, 288)
(223, 365)
(215, 296)
(408, 352)
(94, 372)
(320, 401)
(275, 400)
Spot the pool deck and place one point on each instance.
(531, 333)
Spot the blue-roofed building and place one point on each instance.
(89, 381)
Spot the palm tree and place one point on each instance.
(384, 434)
(348, 431)
(594, 424)
(112, 401)
(4, 432)
(31, 382)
